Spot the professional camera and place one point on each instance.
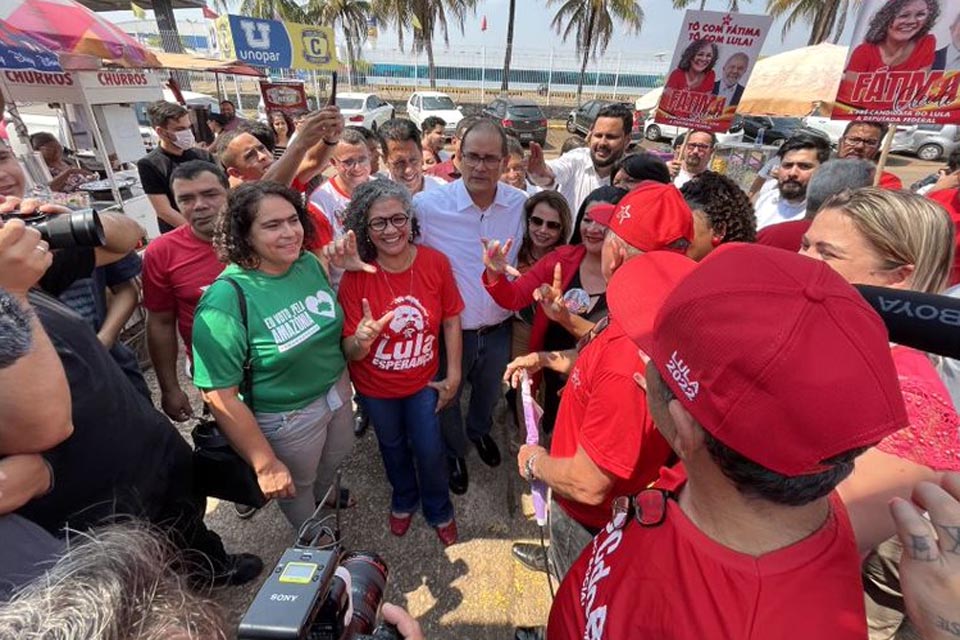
(320, 594)
(63, 231)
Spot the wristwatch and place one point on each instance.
(528, 467)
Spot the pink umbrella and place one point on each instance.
(69, 27)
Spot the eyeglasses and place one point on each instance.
(649, 507)
(473, 160)
(400, 166)
(354, 163)
(398, 220)
(537, 221)
(699, 146)
(866, 142)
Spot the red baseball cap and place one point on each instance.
(652, 217)
(778, 357)
(637, 290)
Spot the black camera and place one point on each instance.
(63, 231)
(320, 594)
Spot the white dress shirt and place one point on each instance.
(771, 208)
(575, 177)
(451, 223)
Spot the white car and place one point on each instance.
(655, 131)
(832, 128)
(424, 104)
(364, 109)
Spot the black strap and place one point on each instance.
(246, 385)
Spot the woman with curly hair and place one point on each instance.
(722, 212)
(898, 39)
(394, 362)
(695, 70)
(282, 126)
(296, 424)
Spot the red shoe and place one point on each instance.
(399, 525)
(448, 533)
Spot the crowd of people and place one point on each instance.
(730, 440)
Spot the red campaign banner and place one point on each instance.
(288, 97)
(713, 59)
(904, 64)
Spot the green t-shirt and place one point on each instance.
(294, 327)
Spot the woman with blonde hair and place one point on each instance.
(902, 241)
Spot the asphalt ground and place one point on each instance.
(472, 590)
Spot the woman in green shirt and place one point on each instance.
(298, 427)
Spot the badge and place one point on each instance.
(577, 301)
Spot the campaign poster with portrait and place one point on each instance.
(903, 66)
(710, 68)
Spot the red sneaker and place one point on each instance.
(448, 533)
(400, 524)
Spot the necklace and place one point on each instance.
(407, 267)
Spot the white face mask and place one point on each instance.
(184, 139)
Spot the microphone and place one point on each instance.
(924, 321)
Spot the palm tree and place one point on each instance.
(505, 84)
(593, 21)
(732, 5)
(350, 16)
(265, 9)
(825, 17)
(424, 16)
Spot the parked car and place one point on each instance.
(521, 118)
(929, 142)
(364, 109)
(655, 131)
(833, 129)
(775, 130)
(581, 119)
(424, 104)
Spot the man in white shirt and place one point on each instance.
(576, 173)
(696, 156)
(400, 142)
(351, 160)
(453, 219)
(948, 57)
(800, 156)
(728, 86)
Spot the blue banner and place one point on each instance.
(277, 45)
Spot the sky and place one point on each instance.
(658, 35)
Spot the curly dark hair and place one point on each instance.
(686, 58)
(231, 236)
(881, 20)
(291, 127)
(725, 204)
(364, 197)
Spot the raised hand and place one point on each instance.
(343, 254)
(368, 329)
(24, 256)
(551, 299)
(930, 565)
(537, 169)
(325, 124)
(495, 258)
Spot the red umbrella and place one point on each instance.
(69, 27)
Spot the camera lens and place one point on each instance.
(368, 575)
(77, 229)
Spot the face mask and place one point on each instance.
(184, 139)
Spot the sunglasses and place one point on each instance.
(537, 221)
(648, 508)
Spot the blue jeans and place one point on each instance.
(413, 455)
(485, 357)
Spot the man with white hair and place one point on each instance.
(728, 86)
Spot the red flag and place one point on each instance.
(208, 14)
(483, 23)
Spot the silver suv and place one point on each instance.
(929, 142)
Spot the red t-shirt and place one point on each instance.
(890, 181)
(405, 356)
(445, 170)
(603, 411)
(866, 58)
(177, 268)
(672, 581)
(950, 200)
